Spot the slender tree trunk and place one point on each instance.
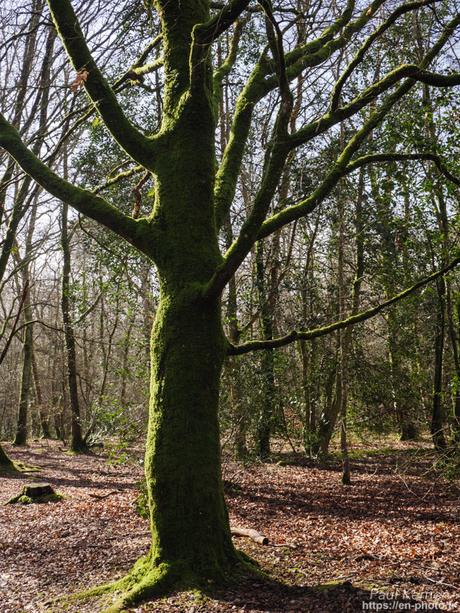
(266, 415)
(148, 307)
(344, 342)
(233, 365)
(26, 196)
(28, 338)
(440, 209)
(455, 339)
(56, 396)
(397, 345)
(407, 428)
(125, 361)
(309, 353)
(328, 417)
(43, 413)
(26, 375)
(437, 417)
(77, 444)
(21, 204)
(240, 417)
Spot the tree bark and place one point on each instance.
(43, 413)
(26, 376)
(189, 521)
(77, 444)
(266, 414)
(5, 461)
(437, 417)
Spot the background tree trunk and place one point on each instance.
(77, 444)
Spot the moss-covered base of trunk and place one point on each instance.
(8, 466)
(146, 582)
(13, 468)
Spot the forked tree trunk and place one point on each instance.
(328, 418)
(191, 540)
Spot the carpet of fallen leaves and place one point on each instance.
(391, 539)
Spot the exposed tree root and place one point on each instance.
(145, 582)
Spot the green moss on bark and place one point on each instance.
(5, 461)
(145, 582)
(7, 465)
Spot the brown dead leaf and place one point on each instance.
(80, 79)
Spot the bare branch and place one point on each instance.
(402, 10)
(339, 168)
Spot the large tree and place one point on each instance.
(191, 541)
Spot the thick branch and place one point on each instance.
(295, 335)
(309, 55)
(138, 146)
(275, 160)
(136, 232)
(260, 84)
(224, 69)
(331, 118)
(339, 169)
(208, 32)
(255, 89)
(126, 174)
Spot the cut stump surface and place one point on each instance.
(36, 493)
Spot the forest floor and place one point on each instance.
(391, 541)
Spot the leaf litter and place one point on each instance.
(392, 537)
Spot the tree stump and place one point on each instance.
(36, 493)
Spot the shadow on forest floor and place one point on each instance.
(335, 597)
(386, 543)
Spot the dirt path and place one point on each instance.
(395, 533)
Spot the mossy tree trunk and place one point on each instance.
(5, 461)
(191, 538)
(26, 381)
(189, 520)
(27, 347)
